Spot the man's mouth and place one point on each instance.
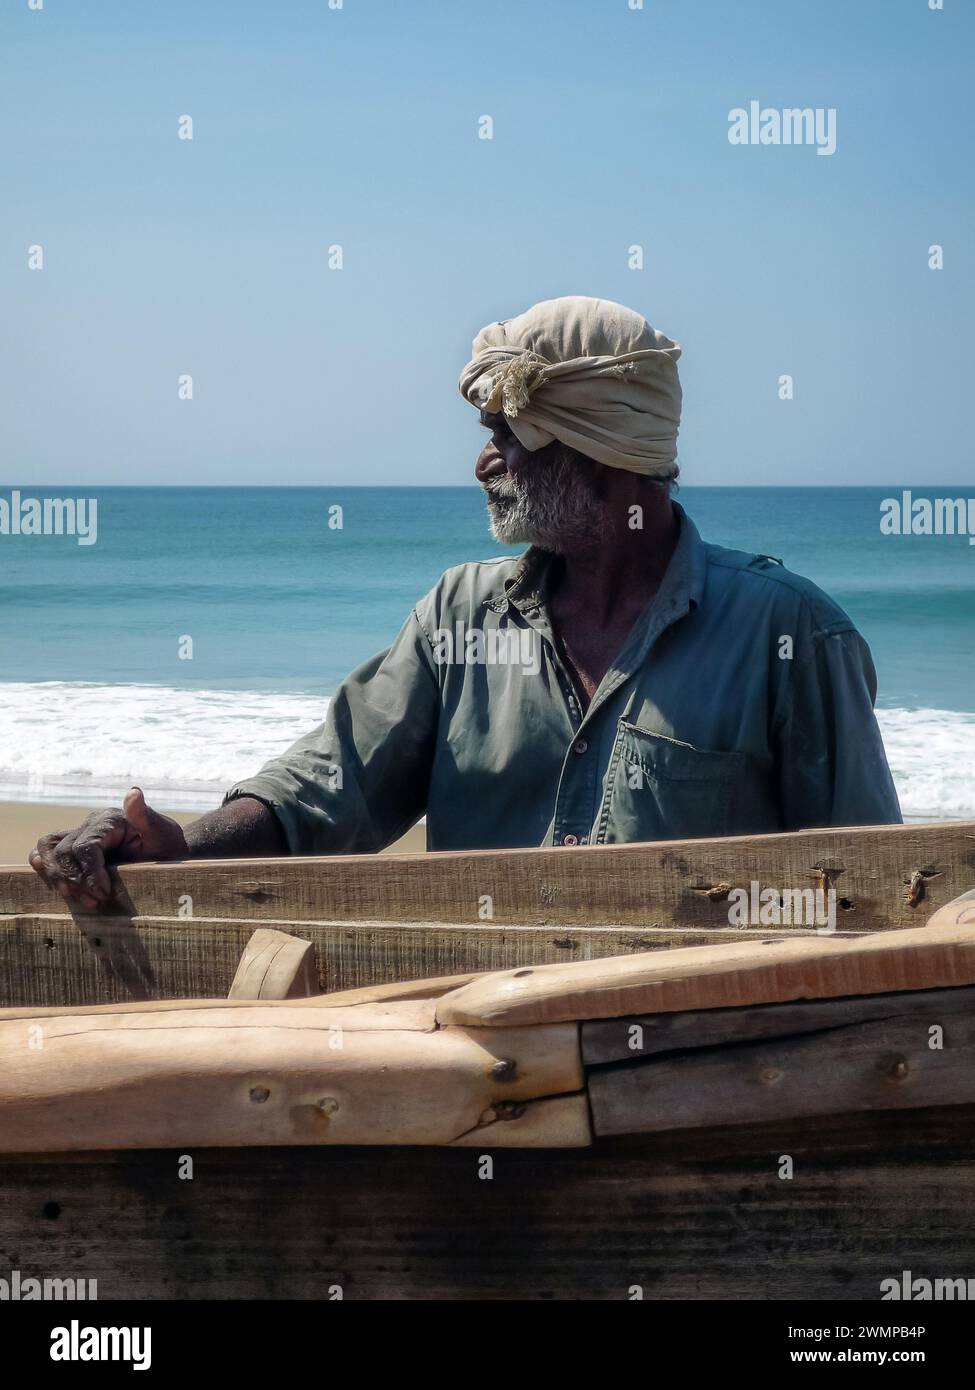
(501, 502)
(499, 490)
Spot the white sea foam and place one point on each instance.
(87, 744)
(932, 756)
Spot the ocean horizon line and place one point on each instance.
(474, 486)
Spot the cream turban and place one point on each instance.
(587, 372)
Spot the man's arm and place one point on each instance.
(244, 828)
(832, 768)
(361, 779)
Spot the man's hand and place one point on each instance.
(74, 862)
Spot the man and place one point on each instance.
(622, 680)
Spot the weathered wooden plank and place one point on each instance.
(270, 1073)
(53, 960)
(684, 1215)
(683, 883)
(717, 977)
(884, 1064)
(647, 1035)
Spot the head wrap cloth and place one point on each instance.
(584, 371)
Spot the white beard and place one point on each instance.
(552, 505)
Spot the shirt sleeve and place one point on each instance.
(360, 780)
(832, 766)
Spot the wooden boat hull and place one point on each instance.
(807, 1148)
(684, 1215)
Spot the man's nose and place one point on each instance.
(490, 463)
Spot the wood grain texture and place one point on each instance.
(558, 1122)
(380, 919)
(647, 1035)
(718, 977)
(880, 1064)
(406, 989)
(664, 884)
(275, 965)
(55, 960)
(680, 1215)
(957, 913)
(272, 1073)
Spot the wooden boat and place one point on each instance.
(552, 1073)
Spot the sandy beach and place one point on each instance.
(21, 824)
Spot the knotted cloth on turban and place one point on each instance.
(587, 372)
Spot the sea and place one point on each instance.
(206, 628)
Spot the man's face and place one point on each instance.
(550, 498)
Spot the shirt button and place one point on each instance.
(581, 746)
(570, 839)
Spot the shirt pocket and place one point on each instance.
(658, 788)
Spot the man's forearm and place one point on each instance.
(244, 828)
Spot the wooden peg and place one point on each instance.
(276, 965)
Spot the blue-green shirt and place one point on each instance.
(740, 703)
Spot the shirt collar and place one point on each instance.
(524, 589)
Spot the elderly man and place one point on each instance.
(621, 680)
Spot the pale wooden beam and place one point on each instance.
(718, 977)
(273, 1073)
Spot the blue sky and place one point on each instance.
(359, 127)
